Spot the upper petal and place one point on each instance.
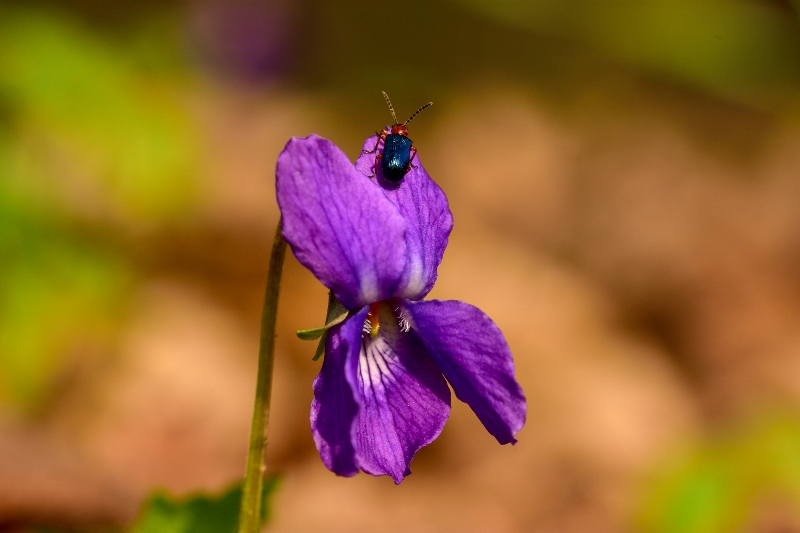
(474, 357)
(404, 400)
(429, 221)
(334, 407)
(339, 224)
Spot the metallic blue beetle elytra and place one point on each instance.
(398, 150)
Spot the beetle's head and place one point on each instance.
(401, 128)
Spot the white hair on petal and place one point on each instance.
(402, 320)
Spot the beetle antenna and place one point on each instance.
(390, 106)
(417, 113)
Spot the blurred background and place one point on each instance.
(625, 181)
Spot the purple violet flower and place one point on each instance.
(381, 394)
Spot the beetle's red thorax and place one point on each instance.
(400, 129)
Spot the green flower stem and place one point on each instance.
(250, 512)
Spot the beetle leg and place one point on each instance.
(375, 165)
(381, 137)
(413, 155)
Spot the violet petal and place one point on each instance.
(334, 408)
(424, 206)
(474, 357)
(339, 224)
(403, 396)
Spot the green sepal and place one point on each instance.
(315, 333)
(335, 315)
(320, 347)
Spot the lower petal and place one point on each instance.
(403, 397)
(334, 408)
(474, 357)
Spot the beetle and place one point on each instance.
(398, 150)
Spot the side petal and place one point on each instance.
(334, 408)
(474, 357)
(429, 221)
(403, 397)
(339, 224)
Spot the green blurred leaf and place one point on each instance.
(736, 48)
(86, 100)
(705, 496)
(716, 487)
(58, 292)
(87, 135)
(198, 514)
(54, 296)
